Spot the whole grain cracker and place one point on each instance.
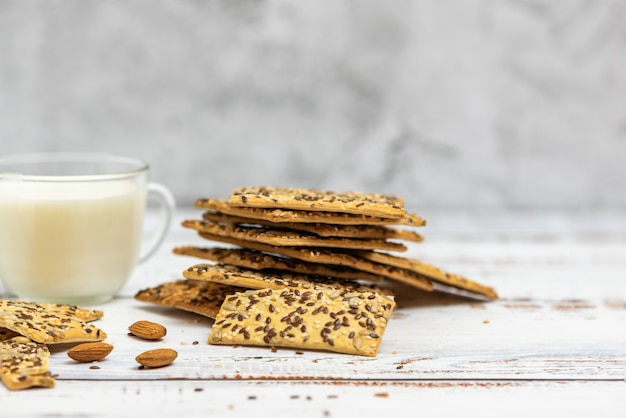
(46, 323)
(278, 237)
(254, 279)
(430, 272)
(77, 312)
(197, 296)
(306, 216)
(371, 204)
(24, 364)
(257, 260)
(324, 319)
(324, 230)
(327, 256)
(6, 334)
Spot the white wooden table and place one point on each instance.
(553, 345)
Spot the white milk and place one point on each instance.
(59, 240)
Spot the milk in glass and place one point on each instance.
(57, 239)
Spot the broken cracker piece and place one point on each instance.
(24, 364)
(197, 296)
(48, 323)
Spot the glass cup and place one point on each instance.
(71, 224)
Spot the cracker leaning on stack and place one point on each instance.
(306, 268)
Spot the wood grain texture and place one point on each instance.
(231, 398)
(556, 334)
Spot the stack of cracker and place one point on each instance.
(302, 268)
(26, 330)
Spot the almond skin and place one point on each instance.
(157, 358)
(88, 352)
(148, 330)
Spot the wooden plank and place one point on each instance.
(443, 337)
(553, 345)
(559, 317)
(232, 399)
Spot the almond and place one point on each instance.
(148, 330)
(88, 352)
(157, 358)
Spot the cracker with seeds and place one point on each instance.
(256, 260)
(254, 279)
(370, 204)
(324, 230)
(279, 237)
(197, 296)
(430, 272)
(77, 312)
(24, 364)
(49, 323)
(306, 216)
(6, 334)
(323, 319)
(328, 256)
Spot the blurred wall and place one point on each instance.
(475, 104)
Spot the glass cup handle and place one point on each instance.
(167, 203)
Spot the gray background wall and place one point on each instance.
(474, 104)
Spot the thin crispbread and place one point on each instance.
(257, 260)
(279, 237)
(48, 324)
(327, 256)
(371, 204)
(197, 296)
(430, 272)
(323, 230)
(77, 312)
(6, 334)
(24, 364)
(254, 279)
(306, 216)
(323, 319)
